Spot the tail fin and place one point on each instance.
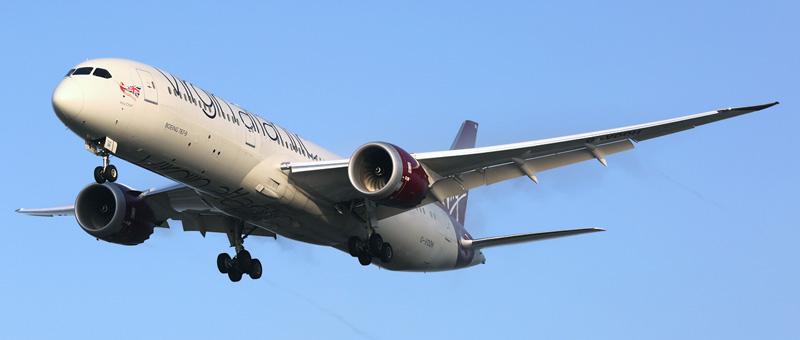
(465, 139)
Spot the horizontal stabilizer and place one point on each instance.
(49, 212)
(512, 239)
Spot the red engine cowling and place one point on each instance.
(114, 213)
(388, 175)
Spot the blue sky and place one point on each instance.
(702, 237)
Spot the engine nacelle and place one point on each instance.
(388, 175)
(114, 213)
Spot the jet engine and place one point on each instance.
(114, 213)
(388, 175)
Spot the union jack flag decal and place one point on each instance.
(130, 90)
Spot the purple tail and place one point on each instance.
(465, 139)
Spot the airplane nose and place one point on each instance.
(68, 99)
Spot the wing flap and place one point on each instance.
(216, 223)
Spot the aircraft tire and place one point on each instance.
(365, 259)
(235, 275)
(110, 173)
(375, 244)
(352, 246)
(255, 269)
(98, 175)
(224, 263)
(387, 254)
(243, 259)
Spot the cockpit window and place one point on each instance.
(82, 71)
(102, 73)
(70, 72)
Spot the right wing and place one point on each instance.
(454, 171)
(467, 169)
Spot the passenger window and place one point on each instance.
(82, 71)
(70, 72)
(102, 73)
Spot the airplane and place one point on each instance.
(242, 175)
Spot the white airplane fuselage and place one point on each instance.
(233, 159)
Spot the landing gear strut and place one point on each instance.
(372, 247)
(242, 263)
(107, 172)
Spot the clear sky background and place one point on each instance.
(703, 231)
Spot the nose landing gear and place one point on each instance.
(103, 148)
(107, 172)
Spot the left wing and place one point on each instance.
(454, 171)
(177, 202)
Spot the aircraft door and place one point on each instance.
(148, 86)
(250, 137)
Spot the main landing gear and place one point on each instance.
(372, 247)
(242, 263)
(239, 265)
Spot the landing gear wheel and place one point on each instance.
(387, 254)
(224, 263)
(243, 259)
(255, 269)
(110, 173)
(354, 246)
(375, 244)
(242, 263)
(365, 259)
(98, 175)
(235, 275)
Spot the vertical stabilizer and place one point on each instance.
(465, 139)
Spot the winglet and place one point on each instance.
(752, 108)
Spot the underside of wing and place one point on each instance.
(181, 203)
